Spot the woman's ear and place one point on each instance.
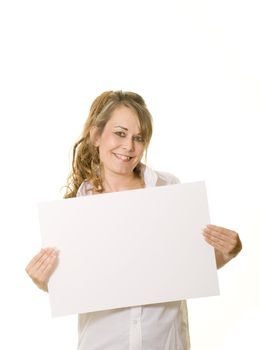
(94, 136)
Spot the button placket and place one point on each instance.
(135, 341)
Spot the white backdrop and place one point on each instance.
(196, 65)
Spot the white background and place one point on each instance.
(196, 65)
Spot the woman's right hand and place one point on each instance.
(41, 267)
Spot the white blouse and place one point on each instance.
(162, 326)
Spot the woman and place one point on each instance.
(107, 158)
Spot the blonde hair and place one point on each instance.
(85, 162)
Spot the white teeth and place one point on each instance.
(120, 156)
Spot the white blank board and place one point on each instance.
(129, 248)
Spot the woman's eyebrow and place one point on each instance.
(122, 127)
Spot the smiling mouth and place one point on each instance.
(122, 157)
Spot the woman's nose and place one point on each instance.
(128, 144)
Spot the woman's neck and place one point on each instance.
(117, 182)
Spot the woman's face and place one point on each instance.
(121, 145)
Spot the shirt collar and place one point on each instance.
(150, 179)
(150, 176)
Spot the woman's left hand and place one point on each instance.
(226, 242)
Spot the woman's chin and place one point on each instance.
(121, 169)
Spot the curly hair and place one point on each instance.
(86, 162)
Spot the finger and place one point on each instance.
(225, 246)
(213, 239)
(38, 258)
(226, 236)
(48, 264)
(41, 276)
(35, 259)
(217, 244)
(41, 264)
(45, 258)
(214, 236)
(221, 230)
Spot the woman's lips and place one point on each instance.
(122, 157)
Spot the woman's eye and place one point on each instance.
(120, 133)
(139, 138)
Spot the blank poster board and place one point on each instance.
(129, 248)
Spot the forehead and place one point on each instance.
(126, 117)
